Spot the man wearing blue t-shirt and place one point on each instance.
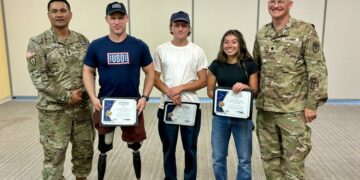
(118, 58)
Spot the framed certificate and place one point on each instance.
(230, 104)
(119, 112)
(183, 114)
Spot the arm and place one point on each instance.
(211, 83)
(317, 75)
(256, 54)
(253, 84)
(161, 86)
(36, 64)
(192, 86)
(89, 83)
(148, 85)
(253, 78)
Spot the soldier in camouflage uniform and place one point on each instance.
(54, 61)
(293, 83)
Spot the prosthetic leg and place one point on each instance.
(101, 166)
(136, 158)
(105, 145)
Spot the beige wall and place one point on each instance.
(149, 21)
(5, 93)
(341, 45)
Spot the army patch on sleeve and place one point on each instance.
(316, 47)
(30, 56)
(33, 61)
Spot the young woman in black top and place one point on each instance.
(235, 69)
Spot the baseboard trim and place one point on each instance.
(5, 99)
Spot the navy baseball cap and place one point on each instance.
(115, 7)
(180, 16)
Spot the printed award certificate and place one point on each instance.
(183, 114)
(119, 112)
(230, 104)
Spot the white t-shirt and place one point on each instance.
(179, 65)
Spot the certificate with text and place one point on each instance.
(183, 114)
(230, 104)
(119, 112)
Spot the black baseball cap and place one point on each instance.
(180, 16)
(115, 7)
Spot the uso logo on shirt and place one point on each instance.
(118, 58)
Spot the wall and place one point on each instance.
(341, 45)
(211, 18)
(5, 93)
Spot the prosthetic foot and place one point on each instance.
(101, 166)
(136, 158)
(137, 164)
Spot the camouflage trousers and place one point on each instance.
(285, 141)
(57, 129)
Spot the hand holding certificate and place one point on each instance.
(183, 114)
(119, 112)
(230, 104)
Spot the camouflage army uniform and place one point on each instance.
(55, 69)
(293, 77)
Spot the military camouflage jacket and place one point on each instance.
(55, 68)
(293, 72)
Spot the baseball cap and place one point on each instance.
(180, 16)
(115, 7)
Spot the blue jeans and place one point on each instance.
(222, 128)
(189, 135)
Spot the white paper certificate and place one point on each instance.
(183, 114)
(230, 104)
(119, 112)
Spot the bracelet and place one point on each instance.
(146, 97)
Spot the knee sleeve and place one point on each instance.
(105, 142)
(134, 146)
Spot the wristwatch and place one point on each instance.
(146, 97)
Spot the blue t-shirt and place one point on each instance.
(118, 65)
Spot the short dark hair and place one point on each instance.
(64, 1)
